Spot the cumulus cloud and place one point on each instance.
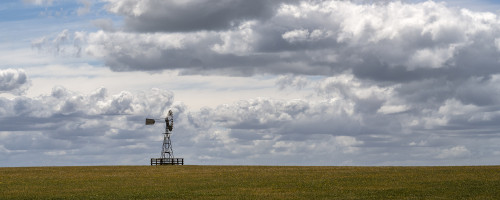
(393, 41)
(352, 123)
(66, 124)
(70, 124)
(250, 130)
(13, 81)
(356, 122)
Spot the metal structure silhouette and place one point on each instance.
(167, 153)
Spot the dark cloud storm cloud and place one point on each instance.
(181, 16)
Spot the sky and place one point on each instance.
(263, 82)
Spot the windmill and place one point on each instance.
(167, 154)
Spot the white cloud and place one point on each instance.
(432, 58)
(64, 102)
(296, 35)
(39, 2)
(454, 152)
(104, 24)
(64, 43)
(285, 81)
(237, 42)
(389, 109)
(67, 123)
(13, 81)
(86, 7)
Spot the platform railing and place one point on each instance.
(167, 161)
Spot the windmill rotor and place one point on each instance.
(169, 120)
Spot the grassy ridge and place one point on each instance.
(250, 182)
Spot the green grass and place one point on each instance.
(250, 182)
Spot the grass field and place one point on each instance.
(250, 182)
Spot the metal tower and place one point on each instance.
(166, 150)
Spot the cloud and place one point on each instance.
(181, 16)
(453, 152)
(387, 84)
(62, 102)
(104, 24)
(350, 123)
(67, 124)
(413, 41)
(86, 7)
(297, 82)
(303, 35)
(64, 43)
(251, 130)
(13, 81)
(39, 2)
